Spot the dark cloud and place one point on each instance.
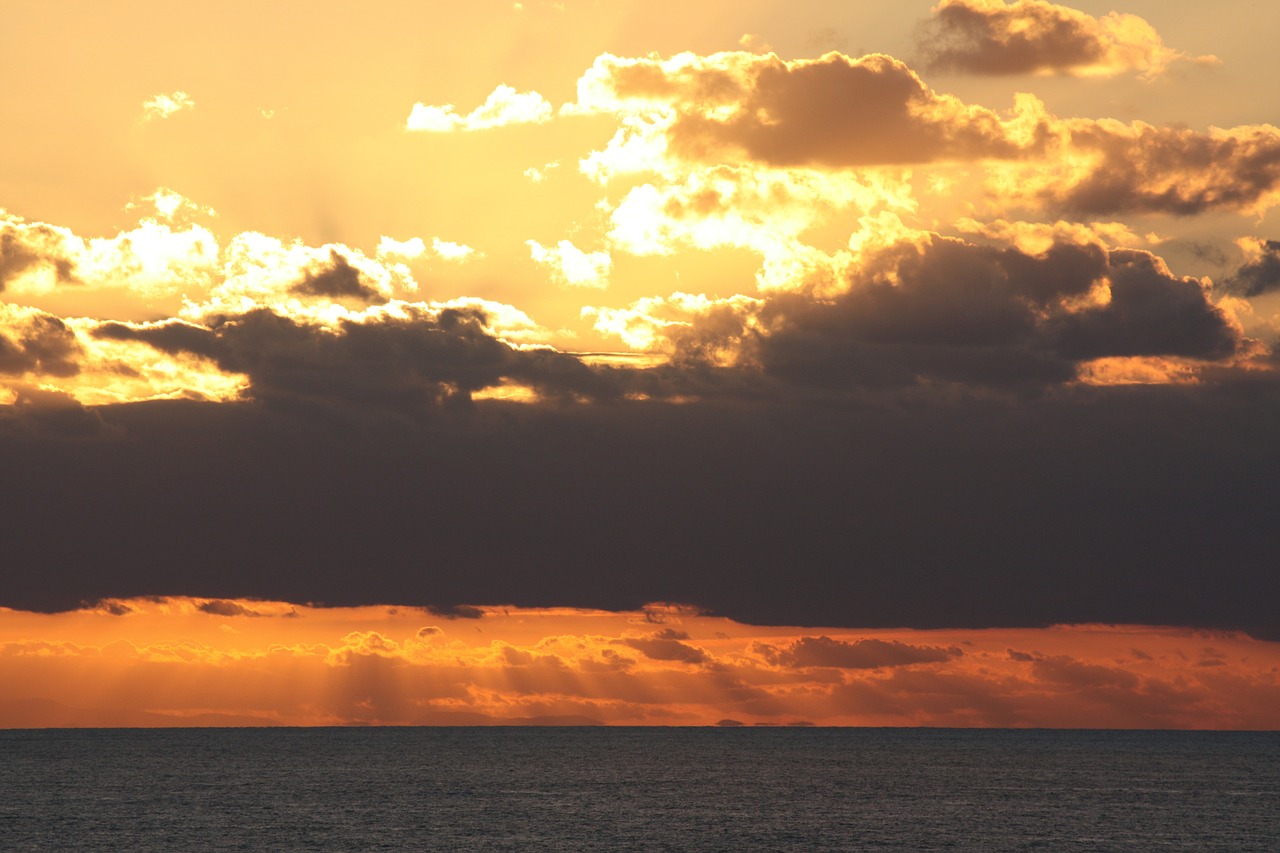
(226, 608)
(979, 38)
(38, 415)
(862, 654)
(338, 280)
(956, 312)
(820, 482)
(390, 363)
(666, 645)
(1150, 313)
(1260, 276)
(1120, 505)
(452, 611)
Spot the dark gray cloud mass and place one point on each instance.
(957, 312)
(1145, 505)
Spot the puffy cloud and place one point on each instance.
(912, 306)
(504, 106)
(402, 357)
(570, 266)
(416, 247)
(1106, 167)
(450, 251)
(167, 104)
(33, 342)
(833, 112)
(837, 113)
(155, 258)
(1038, 37)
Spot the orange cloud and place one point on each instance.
(183, 661)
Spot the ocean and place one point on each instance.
(637, 789)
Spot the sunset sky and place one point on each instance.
(848, 363)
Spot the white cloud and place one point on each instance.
(166, 104)
(570, 265)
(504, 106)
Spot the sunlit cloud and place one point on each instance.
(504, 106)
(167, 104)
(571, 266)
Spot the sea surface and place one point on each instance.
(636, 789)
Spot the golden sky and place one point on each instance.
(955, 318)
(182, 661)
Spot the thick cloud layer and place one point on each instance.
(1146, 505)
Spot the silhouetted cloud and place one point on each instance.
(666, 645)
(339, 280)
(1260, 275)
(861, 654)
(947, 310)
(408, 361)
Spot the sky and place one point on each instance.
(855, 363)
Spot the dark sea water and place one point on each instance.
(637, 789)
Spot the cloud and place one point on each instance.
(1037, 37)
(26, 249)
(834, 112)
(405, 357)
(34, 342)
(1107, 167)
(504, 106)
(823, 651)
(164, 105)
(1260, 274)
(839, 113)
(666, 645)
(218, 607)
(338, 281)
(570, 266)
(153, 259)
(914, 307)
